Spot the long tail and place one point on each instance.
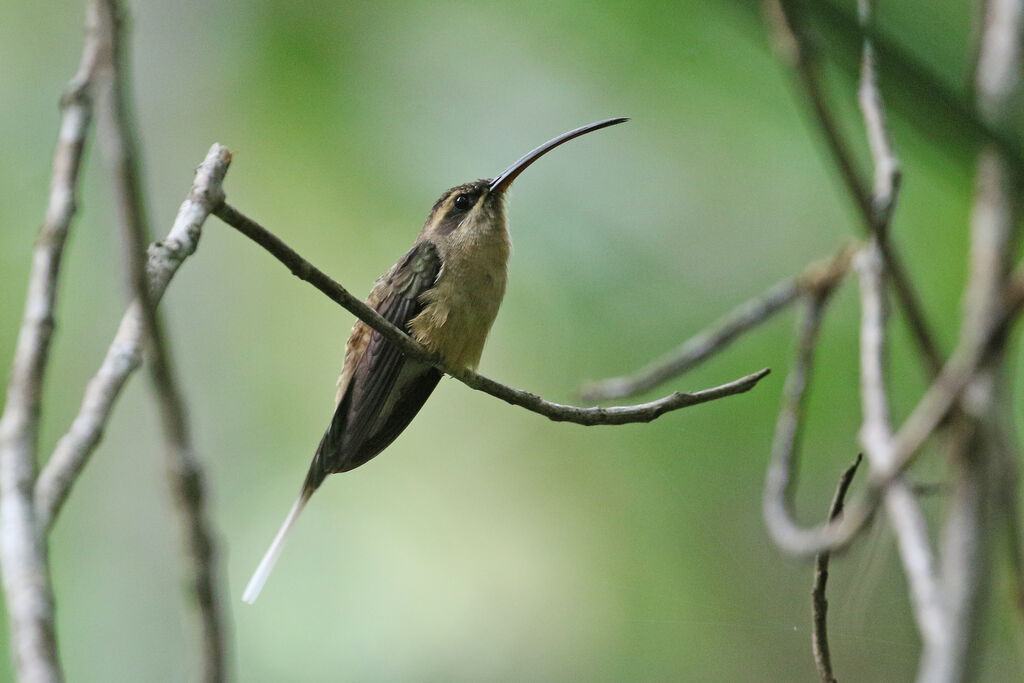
(259, 577)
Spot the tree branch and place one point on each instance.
(886, 164)
(947, 107)
(720, 334)
(304, 270)
(125, 354)
(940, 398)
(977, 451)
(904, 512)
(184, 469)
(934, 406)
(28, 592)
(953, 376)
(819, 601)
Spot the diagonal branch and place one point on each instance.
(952, 377)
(941, 107)
(720, 334)
(183, 466)
(304, 270)
(125, 353)
(706, 343)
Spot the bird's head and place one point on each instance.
(478, 208)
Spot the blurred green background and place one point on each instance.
(487, 543)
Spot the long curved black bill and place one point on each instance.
(506, 177)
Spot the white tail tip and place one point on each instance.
(262, 573)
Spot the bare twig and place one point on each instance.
(886, 164)
(720, 334)
(184, 468)
(613, 415)
(875, 212)
(953, 376)
(698, 348)
(904, 512)
(28, 592)
(125, 354)
(819, 601)
(304, 270)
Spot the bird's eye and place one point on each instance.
(463, 202)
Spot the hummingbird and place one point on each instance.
(445, 293)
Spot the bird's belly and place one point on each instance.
(455, 323)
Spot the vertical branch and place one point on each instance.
(819, 601)
(184, 469)
(997, 83)
(966, 554)
(904, 512)
(28, 593)
(886, 165)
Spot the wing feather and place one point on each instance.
(358, 430)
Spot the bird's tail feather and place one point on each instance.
(259, 577)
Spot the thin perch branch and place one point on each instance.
(28, 593)
(819, 601)
(184, 468)
(613, 415)
(720, 334)
(304, 270)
